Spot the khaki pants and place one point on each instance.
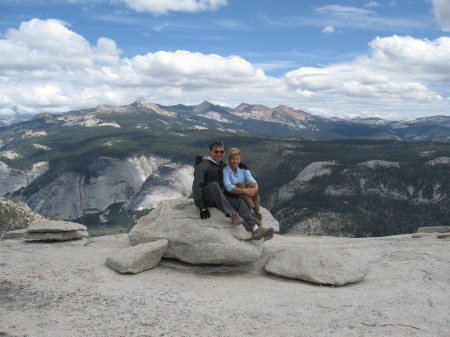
(252, 202)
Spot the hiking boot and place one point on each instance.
(258, 218)
(268, 233)
(258, 234)
(236, 219)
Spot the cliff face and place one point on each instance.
(168, 181)
(12, 179)
(73, 195)
(372, 198)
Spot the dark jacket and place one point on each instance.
(205, 173)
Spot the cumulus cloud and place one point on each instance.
(399, 69)
(163, 7)
(44, 64)
(441, 9)
(47, 67)
(407, 57)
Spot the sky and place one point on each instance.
(338, 58)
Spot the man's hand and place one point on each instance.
(204, 213)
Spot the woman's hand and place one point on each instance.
(251, 191)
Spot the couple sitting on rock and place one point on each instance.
(232, 189)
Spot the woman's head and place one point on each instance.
(234, 153)
(234, 158)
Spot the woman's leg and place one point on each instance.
(248, 200)
(255, 199)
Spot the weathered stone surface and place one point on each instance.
(56, 236)
(404, 295)
(138, 258)
(443, 235)
(318, 265)
(56, 230)
(193, 240)
(56, 226)
(434, 229)
(421, 235)
(17, 234)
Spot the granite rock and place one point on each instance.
(56, 230)
(210, 241)
(329, 266)
(135, 259)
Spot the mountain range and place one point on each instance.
(107, 166)
(281, 121)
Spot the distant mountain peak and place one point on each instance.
(142, 102)
(250, 108)
(44, 116)
(205, 105)
(290, 113)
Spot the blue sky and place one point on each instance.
(344, 58)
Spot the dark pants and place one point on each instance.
(215, 198)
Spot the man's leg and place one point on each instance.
(215, 197)
(244, 211)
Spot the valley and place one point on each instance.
(107, 166)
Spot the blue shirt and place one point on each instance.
(241, 176)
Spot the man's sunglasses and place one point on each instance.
(221, 151)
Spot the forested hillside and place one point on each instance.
(354, 198)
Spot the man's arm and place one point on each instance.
(197, 185)
(197, 190)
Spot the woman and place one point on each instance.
(239, 181)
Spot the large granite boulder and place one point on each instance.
(322, 265)
(193, 240)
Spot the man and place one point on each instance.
(208, 192)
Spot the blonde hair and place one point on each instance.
(233, 153)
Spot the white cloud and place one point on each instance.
(372, 4)
(328, 29)
(46, 67)
(413, 59)
(165, 6)
(344, 9)
(400, 69)
(441, 9)
(348, 17)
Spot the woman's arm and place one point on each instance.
(226, 179)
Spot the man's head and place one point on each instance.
(217, 150)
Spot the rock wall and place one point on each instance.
(112, 181)
(371, 198)
(13, 179)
